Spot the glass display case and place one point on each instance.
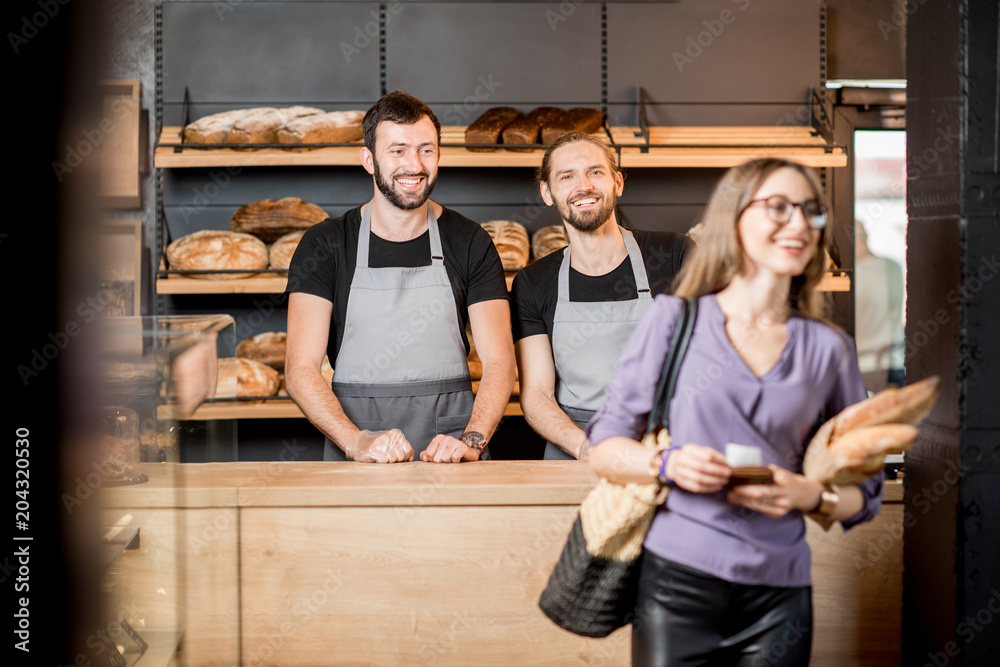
(153, 372)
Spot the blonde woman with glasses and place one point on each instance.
(725, 577)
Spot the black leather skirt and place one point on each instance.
(688, 617)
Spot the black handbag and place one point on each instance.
(593, 587)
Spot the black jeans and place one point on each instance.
(687, 617)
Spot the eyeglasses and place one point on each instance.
(779, 209)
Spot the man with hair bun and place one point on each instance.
(574, 309)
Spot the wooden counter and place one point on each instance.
(314, 563)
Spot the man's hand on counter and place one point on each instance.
(382, 447)
(446, 449)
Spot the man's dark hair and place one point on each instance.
(543, 171)
(396, 107)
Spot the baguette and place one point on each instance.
(861, 444)
(908, 405)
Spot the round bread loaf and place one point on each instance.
(547, 240)
(252, 377)
(511, 241)
(262, 127)
(281, 251)
(270, 219)
(218, 250)
(267, 348)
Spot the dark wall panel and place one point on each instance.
(500, 53)
(280, 52)
(714, 51)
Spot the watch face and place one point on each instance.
(473, 438)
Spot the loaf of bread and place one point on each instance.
(528, 129)
(511, 241)
(210, 250)
(252, 377)
(575, 120)
(226, 386)
(283, 249)
(267, 348)
(852, 446)
(262, 126)
(335, 127)
(487, 128)
(547, 240)
(270, 219)
(215, 129)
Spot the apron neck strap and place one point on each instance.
(364, 238)
(634, 255)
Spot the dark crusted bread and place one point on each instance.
(270, 219)
(486, 129)
(574, 120)
(528, 129)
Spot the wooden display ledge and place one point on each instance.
(259, 284)
(835, 281)
(717, 147)
(723, 147)
(275, 408)
(416, 563)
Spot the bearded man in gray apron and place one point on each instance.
(386, 291)
(574, 310)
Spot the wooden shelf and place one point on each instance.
(121, 147)
(831, 282)
(275, 408)
(717, 147)
(724, 147)
(259, 284)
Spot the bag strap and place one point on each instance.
(659, 415)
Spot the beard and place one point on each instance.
(407, 201)
(587, 221)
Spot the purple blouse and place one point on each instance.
(719, 400)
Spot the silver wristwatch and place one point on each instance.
(475, 440)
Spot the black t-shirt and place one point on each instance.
(326, 257)
(536, 287)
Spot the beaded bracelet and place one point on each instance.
(660, 467)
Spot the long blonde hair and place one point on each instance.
(719, 256)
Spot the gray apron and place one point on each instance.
(402, 362)
(588, 338)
